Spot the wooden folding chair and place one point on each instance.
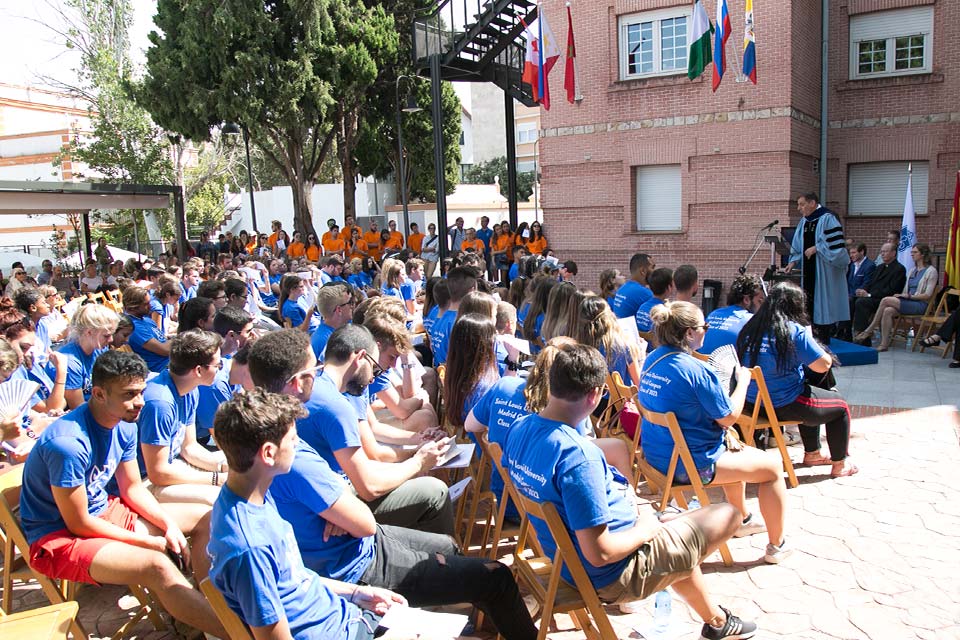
(664, 483)
(498, 507)
(53, 622)
(931, 322)
(905, 322)
(543, 576)
(16, 541)
(764, 416)
(236, 629)
(477, 493)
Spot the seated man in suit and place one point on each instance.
(859, 276)
(888, 279)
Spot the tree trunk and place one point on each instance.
(303, 206)
(346, 139)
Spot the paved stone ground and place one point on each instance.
(877, 554)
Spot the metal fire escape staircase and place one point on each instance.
(476, 41)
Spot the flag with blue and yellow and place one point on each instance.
(749, 45)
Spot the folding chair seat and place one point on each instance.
(16, 542)
(931, 322)
(53, 622)
(543, 578)
(907, 321)
(469, 504)
(764, 416)
(492, 452)
(236, 629)
(664, 483)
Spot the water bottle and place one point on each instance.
(662, 607)
(910, 338)
(693, 503)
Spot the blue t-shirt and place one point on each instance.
(440, 336)
(522, 316)
(629, 297)
(391, 292)
(332, 421)
(156, 307)
(723, 327)
(690, 389)
(621, 364)
(319, 340)
(80, 367)
(785, 385)
(293, 311)
(644, 323)
(144, 330)
(430, 317)
(43, 338)
(165, 417)
(550, 462)
(73, 451)
(408, 289)
(310, 488)
(210, 398)
(514, 271)
(256, 565)
(360, 280)
(485, 235)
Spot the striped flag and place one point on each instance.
(542, 54)
(569, 71)
(699, 56)
(952, 270)
(908, 229)
(749, 44)
(720, 42)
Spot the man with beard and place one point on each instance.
(389, 480)
(724, 324)
(80, 533)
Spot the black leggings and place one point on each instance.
(950, 328)
(816, 406)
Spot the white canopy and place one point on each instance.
(30, 262)
(73, 260)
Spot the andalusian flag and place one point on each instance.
(953, 244)
(700, 49)
(749, 45)
(720, 43)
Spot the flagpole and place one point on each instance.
(578, 97)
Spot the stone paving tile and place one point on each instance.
(877, 554)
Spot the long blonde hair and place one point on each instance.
(672, 320)
(555, 316)
(597, 327)
(537, 390)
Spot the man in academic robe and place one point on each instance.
(819, 251)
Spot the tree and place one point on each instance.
(484, 173)
(285, 69)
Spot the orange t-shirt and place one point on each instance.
(415, 242)
(372, 238)
(394, 243)
(477, 245)
(537, 246)
(346, 231)
(295, 250)
(250, 247)
(313, 253)
(503, 243)
(334, 246)
(358, 249)
(272, 241)
(397, 237)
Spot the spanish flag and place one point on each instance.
(953, 244)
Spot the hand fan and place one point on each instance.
(724, 362)
(15, 397)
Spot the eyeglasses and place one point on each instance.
(312, 372)
(222, 296)
(377, 369)
(218, 365)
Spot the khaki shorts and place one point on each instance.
(672, 555)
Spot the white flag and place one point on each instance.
(908, 228)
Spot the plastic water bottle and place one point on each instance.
(693, 503)
(662, 608)
(910, 338)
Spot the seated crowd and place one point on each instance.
(275, 402)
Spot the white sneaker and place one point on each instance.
(775, 554)
(634, 606)
(753, 524)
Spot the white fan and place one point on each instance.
(15, 397)
(724, 361)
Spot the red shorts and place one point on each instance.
(65, 556)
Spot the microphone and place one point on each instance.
(771, 225)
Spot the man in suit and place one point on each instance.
(888, 279)
(859, 276)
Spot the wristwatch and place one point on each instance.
(511, 365)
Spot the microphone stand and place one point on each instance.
(758, 242)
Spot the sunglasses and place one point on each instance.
(377, 369)
(312, 372)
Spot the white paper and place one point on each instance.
(457, 457)
(522, 346)
(458, 489)
(410, 622)
(630, 326)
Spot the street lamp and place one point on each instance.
(411, 107)
(233, 129)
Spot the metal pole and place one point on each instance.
(439, 162)
(824, 89)
(402, 178)
(536, 180)
(87, 240)
(180, 218)
(253, 206)
(511, 132)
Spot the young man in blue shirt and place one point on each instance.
(255, 561)
(335, 304)
(627, 554)
(661, 286)
(634, 291)
(389, 480)
(179, 469)
(460, 282)
(76, 530)
(724, 324)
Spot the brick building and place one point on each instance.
(651, 161)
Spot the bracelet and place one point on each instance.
(355, 589)
(56, 382)
(511, 365)
(216, 476)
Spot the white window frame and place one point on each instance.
(889, 36)
(527, 133)
(887, 182)
(655, 17)
(526, 166)
(665, 221)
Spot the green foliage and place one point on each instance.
(284, 69)
(484, 173)
(205, 209)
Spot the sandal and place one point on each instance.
(820, 460)
(862, 336)
(848, 470)
(930, 341)
(954, 364)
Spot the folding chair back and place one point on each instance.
(619, 393)
(764, 416)
(236, 629)
(495, 454)
(543, 576)
(665, 482)
(469, 504)
(907, 321)
(930, 322)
